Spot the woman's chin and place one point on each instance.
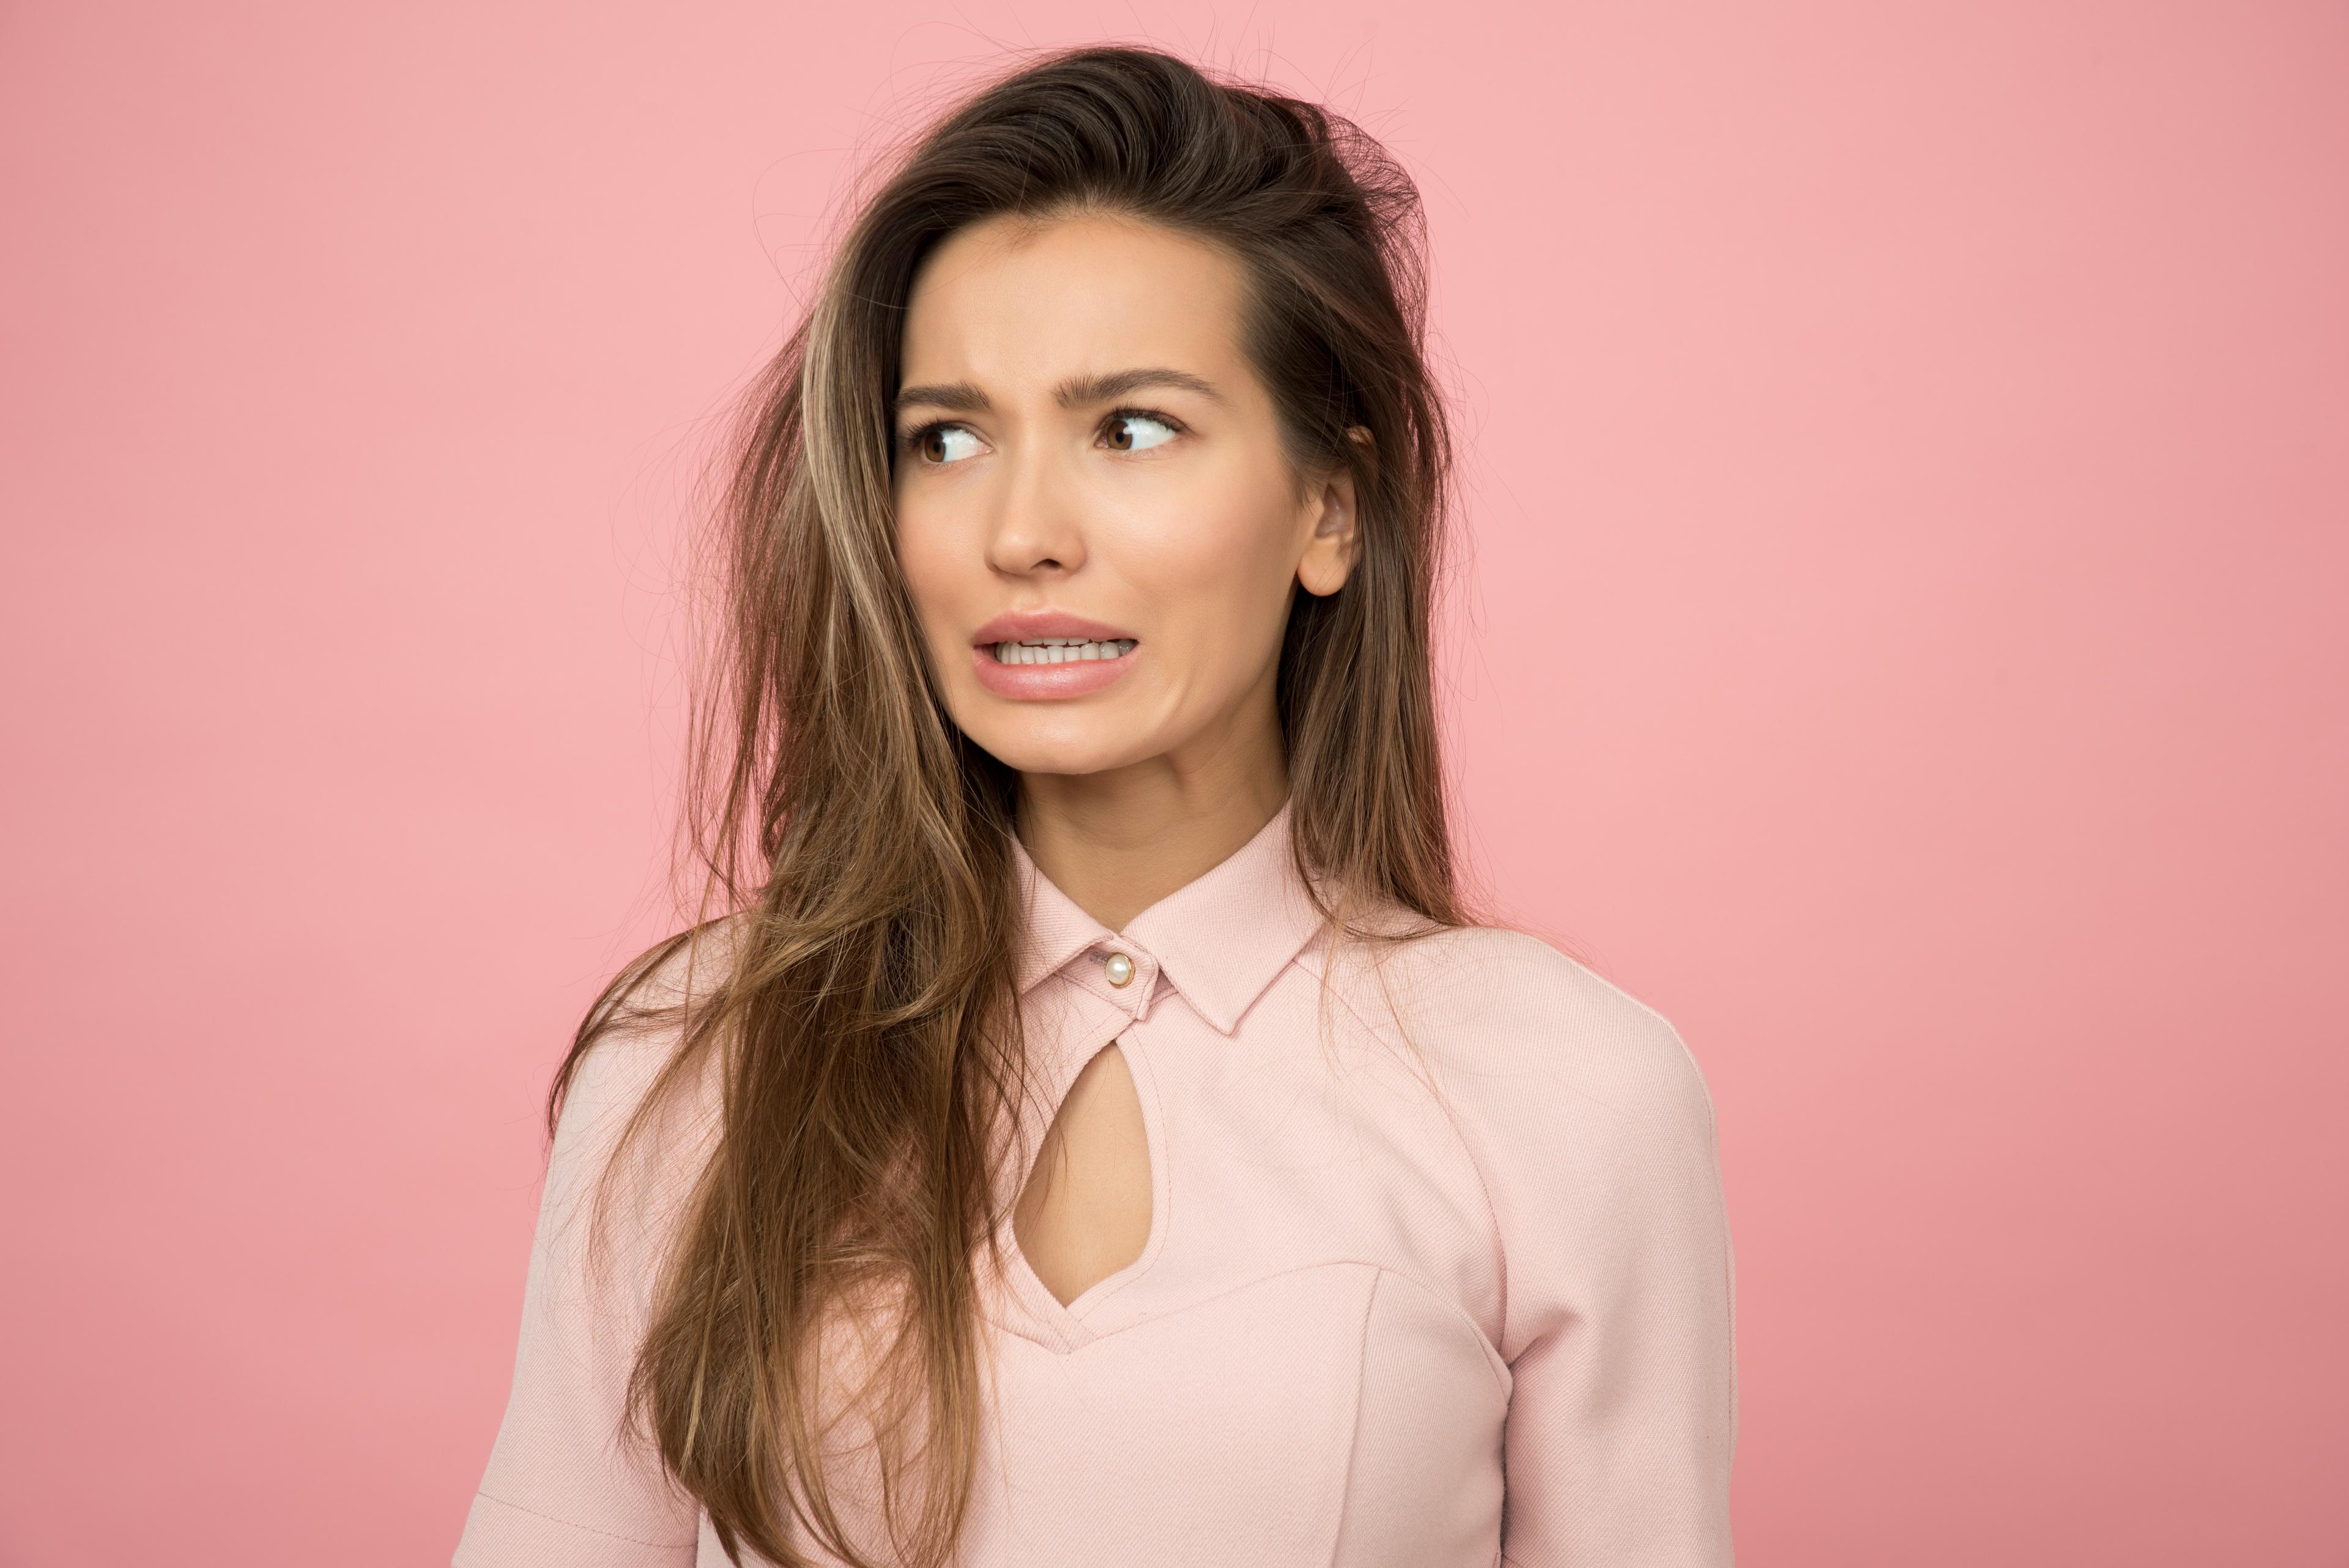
(1062, 747)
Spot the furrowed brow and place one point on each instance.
(1079, 390)
(963, 398)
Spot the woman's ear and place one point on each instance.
(1336, 541)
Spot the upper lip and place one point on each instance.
(1035, 624)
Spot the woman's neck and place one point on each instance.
(1117, 842)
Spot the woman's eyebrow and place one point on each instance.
(1079, 390)
(963, 398)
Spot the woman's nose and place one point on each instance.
(1036, 528)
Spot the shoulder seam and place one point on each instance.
(584, 1529)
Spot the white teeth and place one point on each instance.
(1060, 650)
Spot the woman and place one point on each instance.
(1089, 1129)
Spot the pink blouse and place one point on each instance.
(1462, 1300)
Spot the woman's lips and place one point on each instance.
(1043, 654)
(1042, 669)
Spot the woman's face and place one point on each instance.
(1095, 519)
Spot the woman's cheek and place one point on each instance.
(1229, 564)
(928, 582)
(1197, 540)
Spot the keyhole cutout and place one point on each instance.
(1084, 1213)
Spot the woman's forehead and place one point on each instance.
(1017, 302)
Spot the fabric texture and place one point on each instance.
(1438, 1271)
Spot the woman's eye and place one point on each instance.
(944, 443)
(1138, 433)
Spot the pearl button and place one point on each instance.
(1121, 969)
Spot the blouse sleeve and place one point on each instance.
(1600, 1151)
(564, 1485)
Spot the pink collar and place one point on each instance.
(1221, 938)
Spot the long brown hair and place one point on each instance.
(856, 847)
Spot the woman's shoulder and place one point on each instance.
(651, 995)
(1515, 1023)
(637, 1029)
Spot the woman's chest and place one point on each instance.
(1334, 1413)
(1295, 1365)
(1159, 1164)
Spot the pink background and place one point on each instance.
(1903, 640)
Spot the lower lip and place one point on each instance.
(1047, 682)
